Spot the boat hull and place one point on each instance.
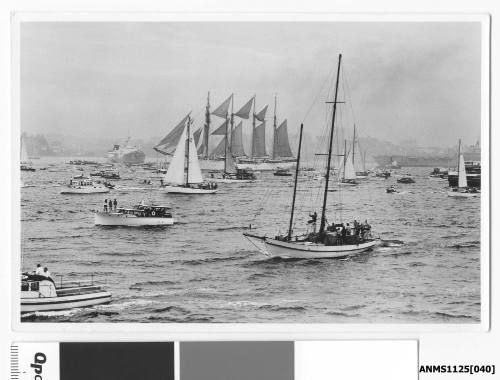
(115, 219)
(30, 305)
(187, 190)
(92, 190)
(277, 248)
(227, 180)
(265, 166)
(458, 194)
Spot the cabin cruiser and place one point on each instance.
(107, 174)
(406, 179)
(139, 215)
(280, 172)
(40, 293)
(84, 185)
(383, 174)
(392, 189)
(238, 176)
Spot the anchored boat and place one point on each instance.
(84, 185)
(40, 293)
(139, 215)
(332, 240)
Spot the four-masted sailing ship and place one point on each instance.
(332, 240)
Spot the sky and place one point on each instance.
(411, 80)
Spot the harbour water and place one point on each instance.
(202, 269)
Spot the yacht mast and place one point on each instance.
(274, 129)
(187, 155)
(295, 185)
(323, 211)
(353, 142)
(207, 126)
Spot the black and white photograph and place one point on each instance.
(253, 172)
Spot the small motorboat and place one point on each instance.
(406, 179)
(40, 293)
(391, 189)
(239, 176)
(136, 216)
(280, 172)
(84, 185)
(27, 168)
(348, 182)
(383, 174)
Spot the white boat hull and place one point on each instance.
(458, 194)
(277, 248)
(29, 305)
(116, 219)
(187, 190)
(83, 190)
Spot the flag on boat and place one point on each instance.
(244, 111)
(223, 109)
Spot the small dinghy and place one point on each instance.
(391, 189)
(84, 185)
(280, 172)
(136, 216)
(40, 293)
(462, 191)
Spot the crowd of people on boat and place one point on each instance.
(358, 230)
(110, 205)
(39, 274)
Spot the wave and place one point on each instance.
(452, 316)
(140, 285)
(468, 244)
(282, 308)
(171, 308)
(391, 243)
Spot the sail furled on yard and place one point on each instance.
(237, 148)
(194, 170)
(221, 130)
(223, 109)
(175, 172)
(170, 141)
(261, 116)
(462, 175)
(244, 112)
(281, 142)
(259, 141)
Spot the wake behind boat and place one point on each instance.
(135, 216)
(40, 293)
(332, 240)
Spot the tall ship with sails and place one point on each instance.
(127, 154)
(230, 139)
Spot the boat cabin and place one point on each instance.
(35, 286)
(80, 181)
(147, 211)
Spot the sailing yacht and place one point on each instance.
(462, 191)
(332, 240)
(348, 172)
(184, 173)
(26, 165)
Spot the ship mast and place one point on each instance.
(187, 155)
(323, 211)
(353, 142)
(289, 237)
(274, 128)
(207, 126)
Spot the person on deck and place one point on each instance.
(39, 270)
(105, 205)
(46, 272)
(110, 205)
(115, 203)
(348, 229)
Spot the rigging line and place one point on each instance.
(319, 92)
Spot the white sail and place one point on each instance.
(175, 172)
(194, 170)
(462, 175)
(349, 172)
(24, 152)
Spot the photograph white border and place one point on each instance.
(250, 331)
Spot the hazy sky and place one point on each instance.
(406, 80)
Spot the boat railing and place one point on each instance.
(80, 284)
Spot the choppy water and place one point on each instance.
(203, 270)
